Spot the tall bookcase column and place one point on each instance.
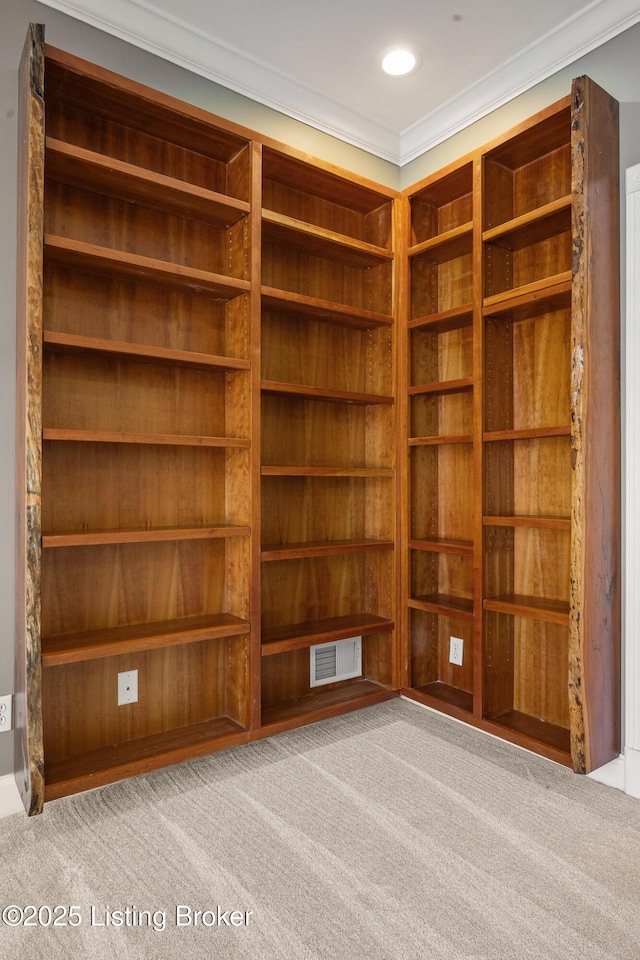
(441, 396)
(146, 429)
(551, 431)
(328, 437)
(526, 430)
(514, 460)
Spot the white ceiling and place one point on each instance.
(318, 60)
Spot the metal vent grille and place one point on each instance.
(340, 660)
(326, 663)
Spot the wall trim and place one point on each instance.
(10, 801)
(631, 521)
(138, 22)
(632, 773)
(612, 774)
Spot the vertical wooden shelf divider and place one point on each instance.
(29, 760)
(266, 406)
(255, 676)
(403, 568)
(478, 450)
(594, 624)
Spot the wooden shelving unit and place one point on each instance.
(527, 243)
(441, 396)
(501, 330)
(146, 439)
(328, 435)
(267, 405)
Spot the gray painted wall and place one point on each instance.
(616, 66)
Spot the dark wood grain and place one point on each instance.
(111, 642)
(594, 660)
(29, 759)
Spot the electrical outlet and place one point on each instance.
(127, 687)
(6, 711)
(456, 646)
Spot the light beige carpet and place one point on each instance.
(389, 834)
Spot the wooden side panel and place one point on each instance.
(594, 672)
(28, 717)
(253, 494)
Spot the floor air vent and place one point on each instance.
(335, 661)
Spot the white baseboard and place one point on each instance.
(612, 774)
(10, 800)
(632, 772)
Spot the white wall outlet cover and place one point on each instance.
(456, 650)
(127, 687)
(6, 713)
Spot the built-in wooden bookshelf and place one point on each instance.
(441, 396)
(146, 442)
(328, 435)
(261, 399)
(506, 343)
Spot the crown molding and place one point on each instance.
(601, 21)
(138, 23)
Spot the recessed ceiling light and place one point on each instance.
(399, 61)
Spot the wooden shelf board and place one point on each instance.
(107, 262)
(322, 704)
(298, 636)
(444, 321)
(444, 692)
(535, 729)
(458, 548)
(441, 387)
(446, 246)
(440, 441)
(538, 523)
(444, 604)
(542, 134)
(528, 292)
(443, 187)
(329, 548)
(524, 731)
(529, 433)
(120, 349)
(115, 641)
(312, 308)
(287, 471)
(535, 225)
(536, 608)
(154, 113)
(119, 761)
(321, 242)
(117, 436)
(320, 180)
(547, 299)
(98, 173)
(320, 393)
(83, 538)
